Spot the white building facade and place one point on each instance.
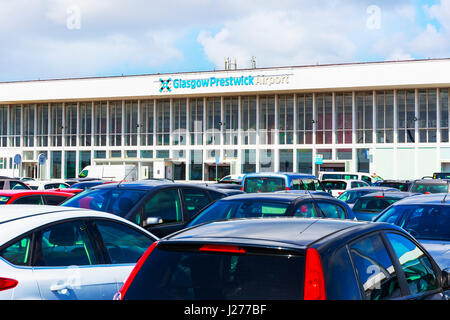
(388, 118)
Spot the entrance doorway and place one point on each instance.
(179, 171)
(333, 167)
(222, 171)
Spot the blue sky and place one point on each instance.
(46, 39)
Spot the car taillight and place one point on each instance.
(314, 288)
(221, 248)
(119, 295)
(339, 193)
(427, 192)
(379, 196)
(6, 284)
(287, 188)
(242, 188)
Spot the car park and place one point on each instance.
(350, 196)
(427, 186)
(402, 185)
(13, 184)
(426, 218)
(370, 205)
(337, 187)
(37, 197)
(49, 252)
(271, 182)
(160, 207)
(266, 205)
(287, 259)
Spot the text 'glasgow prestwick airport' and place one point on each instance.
(230, 81)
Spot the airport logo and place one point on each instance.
(169, 84)
(166, 85)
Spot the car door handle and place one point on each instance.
(60, 287)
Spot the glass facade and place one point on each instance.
(269, 132)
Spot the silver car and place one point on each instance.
(64, 253)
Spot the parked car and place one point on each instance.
(46, 185)
(287, 259)
(271, 182)
(263, 205)
(13, 184)
(402, 185)
(115, 172)
(368, 207)
(427, 186)
(441, 175)
(76, 180)
(311, 193)
(367, 177)
(350, 196)
(158, 206)
(38, 197)
(66, 253)
(337, 187)
(426, 218)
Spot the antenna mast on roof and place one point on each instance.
(253, 62)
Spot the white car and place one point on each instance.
(64, 253)
(338, 186)
(46, 185)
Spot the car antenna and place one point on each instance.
(118, 185)
(314, 200)
(443, 200)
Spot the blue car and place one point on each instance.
(352, 195)
(278, 181)
(426, 218)
(369, 206)
(266, 205)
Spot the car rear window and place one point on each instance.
(334, 185)
(191, 274)
(430, 188)
(397, 185)
(373, 204)
(307, 184)
(339, 176)
(228, 209)
(112, 200)
(4, 199)
(351, 196)
(264, 184)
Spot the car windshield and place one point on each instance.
(430, 188)
(229, 209)
(429, 222)
(264, 184)
(339, 176)
(334, 185)
(373, 204)
(176, 274)
(350, 196)
(307, 184)
(4, 199)
(112, 200)
(397, 185)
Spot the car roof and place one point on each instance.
(287, 197)
(395, 181)
(282, 231)
(433, 198)
(16, 220)
(344, 180)
(370, 188)
(431, 181)
(390, 194)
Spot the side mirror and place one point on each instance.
(152, 221)
(446, 279)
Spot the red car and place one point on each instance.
(39, 197)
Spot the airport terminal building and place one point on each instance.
(388, 118)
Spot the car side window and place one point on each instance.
(354, 185)
(166, 205)
(29, 200)
(306, 210)
(374, 268)
(2, 184)
(331, 210)
(195, 200)
(16, 185)
(54, 200)
(66, 244)
(17, 253)
(123, 243)
(418, 270)
(366, 179)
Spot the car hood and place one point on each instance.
(439, 250)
